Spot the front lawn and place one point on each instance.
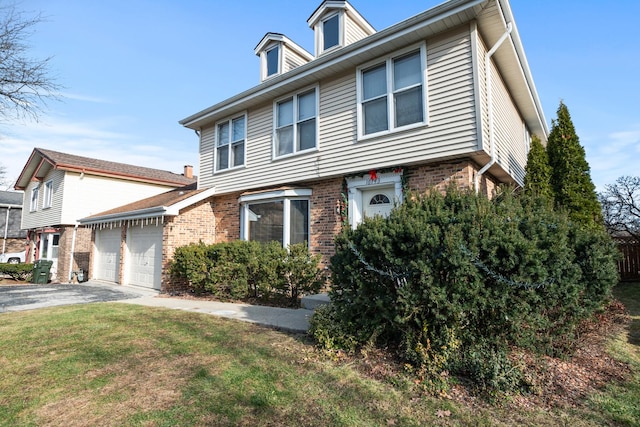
(120, 364)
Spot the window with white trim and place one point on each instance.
(281, 216)
(230, 143)
(391, 93)
(48, 194)
(331, 32)
(34, 199)
(272, 58)
(295, 124)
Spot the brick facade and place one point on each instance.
(81, 252)
(440, 176)
(13, 245)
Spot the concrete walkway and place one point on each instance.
(288, 319)
(29, 297)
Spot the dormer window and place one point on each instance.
(331, 32)
(272, 57)
(278, 54)
(337, 24)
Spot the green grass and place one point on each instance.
(125, 365)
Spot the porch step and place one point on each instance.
(311, 302)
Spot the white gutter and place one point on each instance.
(6, 229)
(487, 76)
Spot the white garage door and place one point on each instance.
(107, 258)
(144, 260)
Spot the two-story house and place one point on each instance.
(61, 188)
(329, 138)
(444, 96)
(12, 236)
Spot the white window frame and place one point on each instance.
(265, 64)
(294, 98)
(320, 32)
(35, 195)
(389, 61)
(230, 143)
(286, 196)
(48, 194)
(357, 185)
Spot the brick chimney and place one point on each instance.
(188, 171)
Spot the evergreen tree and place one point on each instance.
(537, 180)
(570, 173)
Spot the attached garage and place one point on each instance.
(143, 228)
(107, 255)
(144, 256)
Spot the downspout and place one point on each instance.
(73, 248)
(487, 76)
(6, 229)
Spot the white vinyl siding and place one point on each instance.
(292, 60)
(451, 129)
(353, 32)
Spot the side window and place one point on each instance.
(48, 194)
(230, 143)
(391, 94)
(34, 199)
(295, 124)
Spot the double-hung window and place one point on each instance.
(230, 143)
(48, 194)
(391, 93)
(281, 216)
(295, 123)
(34, 199)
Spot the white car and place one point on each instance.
(13, 257)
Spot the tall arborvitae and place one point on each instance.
(537, 181)
(570, 174)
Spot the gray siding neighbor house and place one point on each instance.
(12, 235)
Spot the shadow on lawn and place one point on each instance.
(629, 294)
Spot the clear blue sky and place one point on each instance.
(131, 69)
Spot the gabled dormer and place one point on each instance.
(337, 24)
(278, 54)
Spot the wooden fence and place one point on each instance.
(629, 263)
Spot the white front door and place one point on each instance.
(49, 250)
(107, 260)
(377, 202)
(144, 256)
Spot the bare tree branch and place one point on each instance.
(25, 82)
(621, 206)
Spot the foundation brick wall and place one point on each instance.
(13, 245)
(196, 223)
(81, 253)
(441, 175)
(325, 220)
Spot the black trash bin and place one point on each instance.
(41, 271)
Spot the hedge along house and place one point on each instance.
(61, 188)
(133, 244)
(443, 97)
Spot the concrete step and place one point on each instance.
(310, 302)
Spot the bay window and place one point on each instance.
(391, 93)
(281, 216)
(295, 123)
(230, 143)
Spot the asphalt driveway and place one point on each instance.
(29, 297)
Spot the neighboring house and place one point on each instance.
(62, 188)
(12, 235)
(443, 98)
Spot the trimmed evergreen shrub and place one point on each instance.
(18, 272)
(246, 269)
(445, 276)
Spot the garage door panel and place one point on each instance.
(107, 262)
(144, 264)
